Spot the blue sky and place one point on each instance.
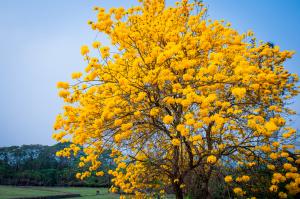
(40, 45)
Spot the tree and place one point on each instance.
(179, 96)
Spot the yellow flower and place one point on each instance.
(273, 188)
(168, 119)
(176, 87)
(211, 159)
(176, 142)
(245, 178)
(76, 75)
(78, 175)
(286, 135)
(182, 186)
(118, 138)
(64, 85)
(84, 50)
(126, 126)
(64, 93)
(113, 189)
(271, 167)
(141, 96)
(238, 179)
(275, 144)
(287, 166)
(184, 132)
(282, 195)
(251, 164)
(96, 44)
(122, 165)
(137, 113)
(271, 126)
(278, 177)
(118, 122)
(273, 156)
(100, 173)
(154, 112)
(238, 191)
(196, 138)
(228, 179)
(266, 148)
(81, 164)
(180, 127)
(104, 52)
(239, 93)
(284, 154)
(187, 77)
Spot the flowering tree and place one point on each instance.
(179, 95)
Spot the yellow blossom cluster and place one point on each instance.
(178, 92)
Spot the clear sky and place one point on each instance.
(40, 45)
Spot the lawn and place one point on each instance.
(7, 192)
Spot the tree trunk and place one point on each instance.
(178, 191)
(198, 186)
(200, 191)
(205, 191)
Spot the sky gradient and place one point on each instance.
(41, 40)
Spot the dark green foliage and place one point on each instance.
(38, 165)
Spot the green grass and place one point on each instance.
(7, 192)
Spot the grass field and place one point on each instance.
(7, 192)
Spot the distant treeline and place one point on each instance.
(37, 165)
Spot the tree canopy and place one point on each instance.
(177, 95)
